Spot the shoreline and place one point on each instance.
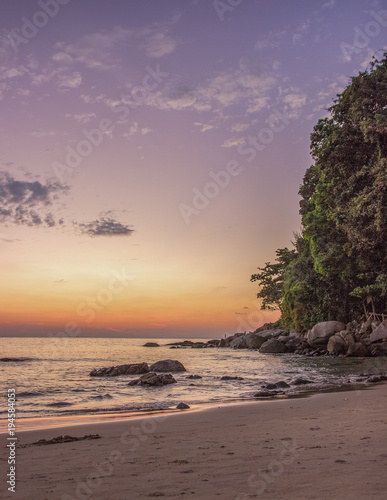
(330, 445)
(30, 424)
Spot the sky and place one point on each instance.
(151, 154)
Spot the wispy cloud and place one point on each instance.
(234, 141)
(203, 126)
(70, 81)
(105, 225)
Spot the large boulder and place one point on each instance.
(336, 345)
(151, 344)
(254, 340)
(167, 365)
(380, 333)
(154, 379)
(238, 342)
(114, 371)
(273, 346)
(321, 333)
(358, 350)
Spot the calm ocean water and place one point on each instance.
(51, 376)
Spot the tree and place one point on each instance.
(340, 260)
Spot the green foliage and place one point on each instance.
(340, 261)
(271, 279)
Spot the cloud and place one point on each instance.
(160, 44)
(82, 118)
(28, 203)
(250, 84)
(240, 127)
(203, 126)
(70, 81)
(40, 134)
(328, 5)
(105, 225)
(235, 141)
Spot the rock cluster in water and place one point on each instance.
(326, 338)
(166, 365)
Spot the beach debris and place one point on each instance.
(228, 377)
(154, 379)
(182, 406)
(167, 365)
(151, 344)
(61, 439)
(114, 371)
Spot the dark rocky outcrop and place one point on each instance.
(194, 376)
(154, 379)
(115, 371)
(182, 406)
(273, 346)
(167, 365)
(151, 344)
(228, 377)
(302, 381)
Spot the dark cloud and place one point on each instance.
(28, 202)
(106, 225)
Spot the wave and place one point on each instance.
(17, 360)
(59, 404)
(27, 394)
(102, 396)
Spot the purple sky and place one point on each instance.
(163, 140)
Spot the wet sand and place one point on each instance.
(325, 446)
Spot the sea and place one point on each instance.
(51, 375)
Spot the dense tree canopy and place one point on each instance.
(339, 266)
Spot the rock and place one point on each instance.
(194, 376)
(151, 344)
(374, 379)
(154, 379)
(239, 343)
(182, 406)
(379, 349)
(336, 345)
(114, 371)
(358, 350)
(167, 365)
(254, 340)
(227, 377)
(302, 381)
(380, 333)
(347, 336)
(276, 385)
(266, 394)
(273, 346)
(321, 332)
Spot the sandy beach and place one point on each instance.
(324, 446)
